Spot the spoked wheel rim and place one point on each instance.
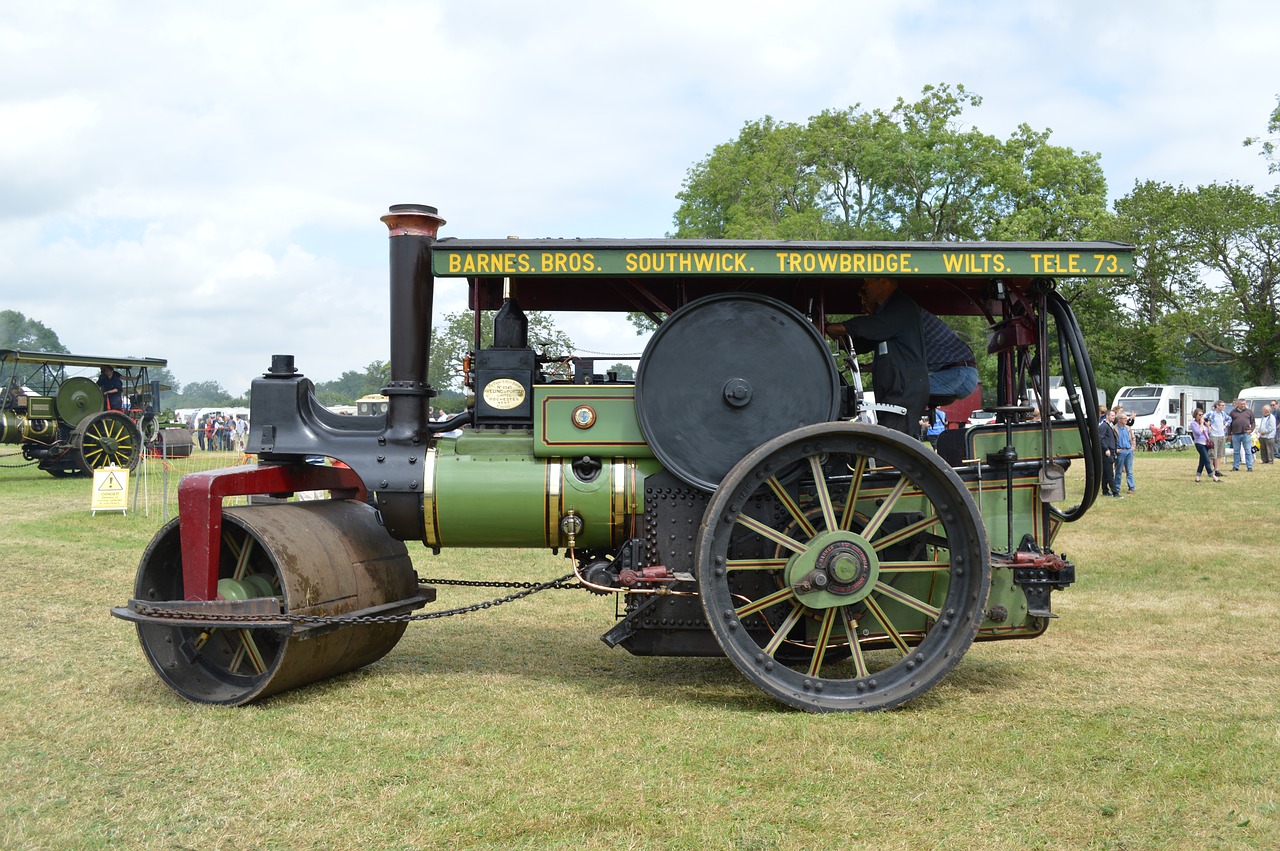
(843, 567)
(108, 439)
(208, 664)
(319, 558)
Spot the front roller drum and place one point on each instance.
(323, 558)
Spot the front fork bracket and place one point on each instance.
(200, 509)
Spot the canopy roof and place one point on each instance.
(660, 275)
(56, 359)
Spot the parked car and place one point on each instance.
(981, 418)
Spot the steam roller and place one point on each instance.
(278, 565)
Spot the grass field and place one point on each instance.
(1148, 716)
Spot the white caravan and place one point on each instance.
(1151, 403)
(1257, 397)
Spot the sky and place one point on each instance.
(203, 183)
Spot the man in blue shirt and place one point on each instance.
(936, 427)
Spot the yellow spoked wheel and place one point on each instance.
(105, 439)
(842, 567)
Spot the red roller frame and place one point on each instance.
(200, 509)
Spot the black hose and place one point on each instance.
(1075, 357)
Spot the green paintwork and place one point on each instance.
(615, 430)
(840, 570)
(41, 408)
(489, 490)
(983, 440)
(698, 258)
(19, 429)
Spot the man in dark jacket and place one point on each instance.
(1107, 437)
(1241, 431)
(892, 329)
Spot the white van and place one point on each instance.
(1060, 403)
(1151, 403)
(1257, 397)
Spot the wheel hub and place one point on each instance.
(838, 568)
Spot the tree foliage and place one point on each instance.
(351, 385)
(201, 394)
(454, 336)
(19, 332)
(1269, 144)
(1208, 280)
(917, 171)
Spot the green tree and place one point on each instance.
(1269, 144)
(625, 371)
(351, 385)
(1208, 280)
(453, 337)
(201, 394)
(920, 170)
(19, 332)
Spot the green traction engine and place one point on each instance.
(733, 499)
(60, 420)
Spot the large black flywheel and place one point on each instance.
(842, 567)
(726, 373)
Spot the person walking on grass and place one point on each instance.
(1241, 431)
(1200, 437)
(1218, 422)
(1124, 458)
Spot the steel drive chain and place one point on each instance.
(529, 588)
(16, 466)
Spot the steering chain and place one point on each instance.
(529, 588)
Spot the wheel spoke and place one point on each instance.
(886, 507)
(757, 563)
(905, 532)
(855, 485)
(889, 628)
(251, 650)
(790, 505)
(790, 621)
(771, 533)
(906, 600)
(764, 602)
(855, 649)
(913, 566)
(823, 494)
(242, 557)
(824, 636)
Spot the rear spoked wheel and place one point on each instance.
(843, 567)
(105, 440)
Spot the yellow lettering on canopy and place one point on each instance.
(1057, 264)
(685, 261)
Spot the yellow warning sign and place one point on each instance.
(110, 490)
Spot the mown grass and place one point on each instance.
(1148, 716)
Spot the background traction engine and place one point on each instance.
(724, 498)
(62, 423)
